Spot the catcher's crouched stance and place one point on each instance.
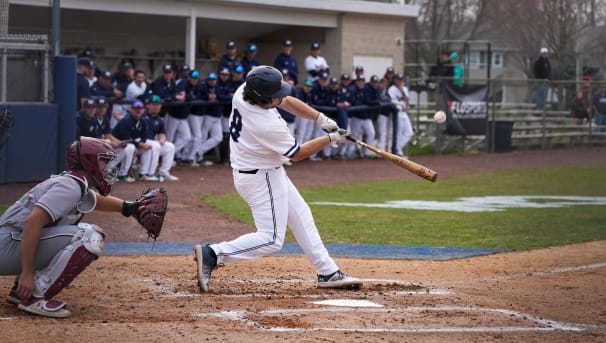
(42, 239)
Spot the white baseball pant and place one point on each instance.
(404, 133)
(362, 129)
(124, 157)
(166, 152)
(178, 132)
(210, 134)
(384, 132)
(275, 203)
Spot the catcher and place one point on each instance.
(42, 239)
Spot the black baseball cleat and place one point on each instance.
(205, 264)
(338, 279)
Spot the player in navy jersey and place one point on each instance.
(162, 150)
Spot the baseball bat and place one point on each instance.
(401, 162)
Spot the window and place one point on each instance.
(497, 59)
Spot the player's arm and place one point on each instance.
(32, 228)
(108, 203)
(301, 109)
(315, 145)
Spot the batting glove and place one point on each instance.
(327, 124)
(339, 136)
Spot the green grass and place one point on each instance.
(512, 229)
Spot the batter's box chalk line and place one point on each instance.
(542, 325)
(163, 286)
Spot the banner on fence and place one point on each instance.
(466, 109)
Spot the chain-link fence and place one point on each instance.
(24, 68)
(520, 114)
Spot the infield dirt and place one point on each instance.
(554, 294)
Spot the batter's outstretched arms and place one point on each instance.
(301, 109)
(317, 144)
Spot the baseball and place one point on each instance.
(439, 117)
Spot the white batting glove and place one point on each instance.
(327, 124)
(339, 136)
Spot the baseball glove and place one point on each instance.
(149, 210)
(7, 121)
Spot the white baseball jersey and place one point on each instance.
(311, 63)
(260, 142)
(260, 138)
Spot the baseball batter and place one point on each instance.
(260, 143)
(42, 239)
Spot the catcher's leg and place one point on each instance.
(85, 247)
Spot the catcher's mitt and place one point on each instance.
(7, 121)
(154, 202)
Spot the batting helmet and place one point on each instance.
(93, 155)
(264, 83)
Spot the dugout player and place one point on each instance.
(260, 143)
(42, 240)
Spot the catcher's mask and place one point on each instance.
(265, 83)
(93, 155)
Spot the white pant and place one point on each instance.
(275, 203)
(404, 133)
(207, 132)
(384, 132)
(124, 157)
(178, 132)
(305, 129)
(362, 129)
(165, 151)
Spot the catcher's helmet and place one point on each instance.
(264, 83)
(93, 155)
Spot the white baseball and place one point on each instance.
(439, 117)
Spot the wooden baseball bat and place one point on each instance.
(409, 165)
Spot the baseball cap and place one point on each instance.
(230, 45)
(137, 104)
(308, 83)
(453, 55)
(345, 77)
(334, 80)
(127, 65)
(323, 75)
(285, 71)
(398, 76)
(194, 74)
(360, 78)
(544, 50)
(167, 68)
(389, 70)
(154, 99)
(287, 42)
(88, 103)
(85, 61)
(106, 74)
(212, 76)
(239, 69)
(315, 46)
(374, 78)
(185, 67)
(101, 101)
(224, 71)
(359, 68)
(251, 47)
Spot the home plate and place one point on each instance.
(347, 303)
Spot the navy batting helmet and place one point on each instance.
(264, 83)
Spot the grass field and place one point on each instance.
(512, 229)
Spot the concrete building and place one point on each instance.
(151, 33)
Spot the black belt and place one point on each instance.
(252, 171)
